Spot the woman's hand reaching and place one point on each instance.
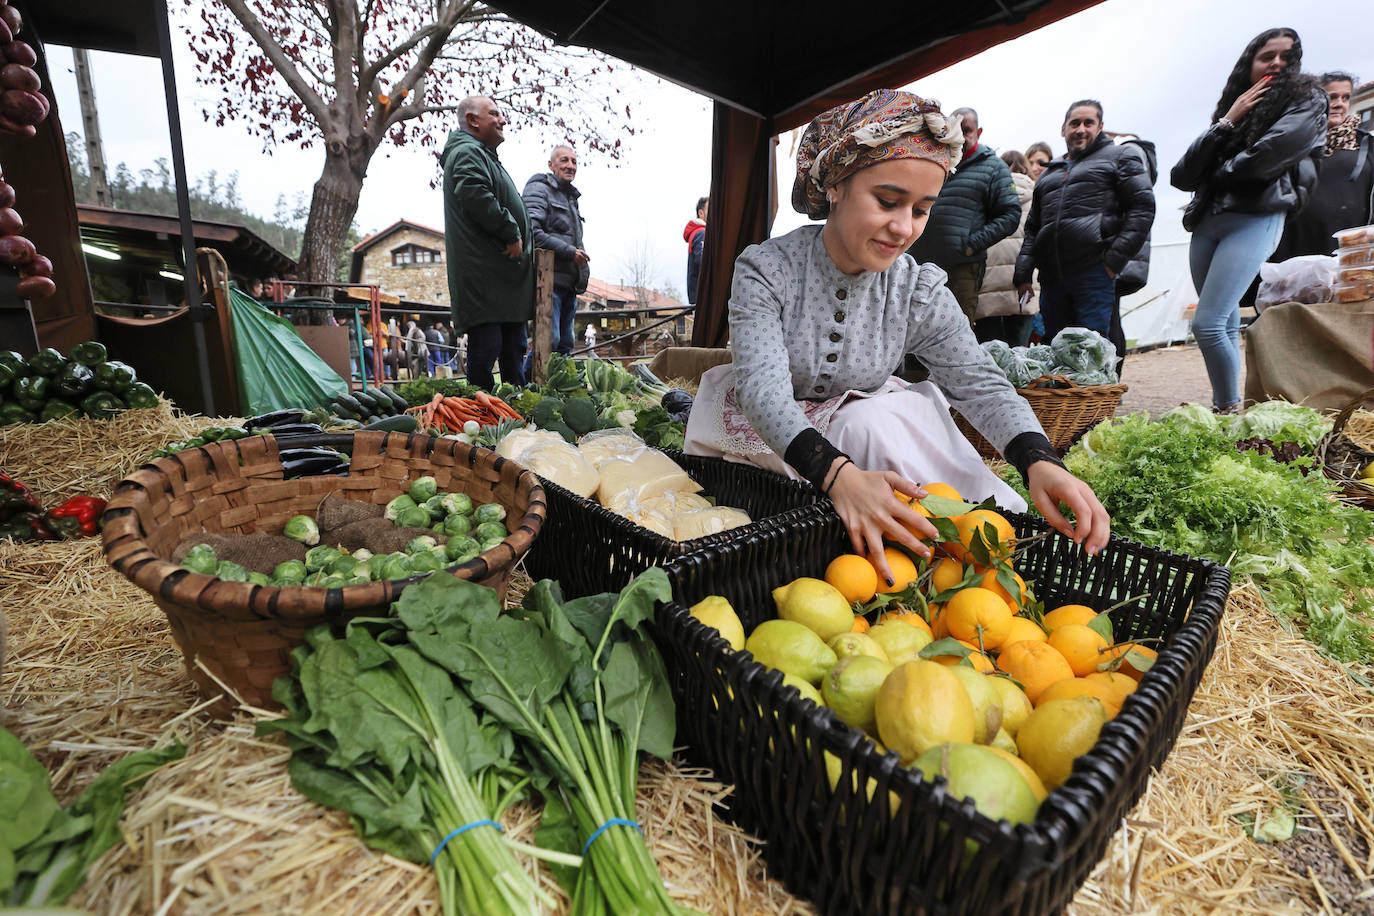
(871, 512)
(1050, 485)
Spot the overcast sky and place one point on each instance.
(1157, 66)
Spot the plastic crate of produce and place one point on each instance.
(590, 549)
(882, 841)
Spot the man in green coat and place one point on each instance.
(487, 234)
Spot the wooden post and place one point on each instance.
(543, 312)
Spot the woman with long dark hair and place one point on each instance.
(1247, 171)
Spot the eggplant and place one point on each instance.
(312, 462)
(294, 430)
(276, 418)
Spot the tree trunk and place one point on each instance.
(333, 204)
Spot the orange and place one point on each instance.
(860, 624)
(939, 623)
(1081, 645)
(906, 616)
(1123, 684)
(989, 581)
(978, 616)
(903, 571)
(973, 521)
(912, 502)
(1068, 613)
(946, 574)
(854, 576)
(1023, 628)
(979, 661)
(1072, 687)
(1126, 667)
(1035, 664)
(942, 489)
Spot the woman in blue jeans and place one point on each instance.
(1247, 171)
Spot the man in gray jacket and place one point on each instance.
(978, 206)
(556, 220)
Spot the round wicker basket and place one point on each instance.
(1065, 413)
(239, 636)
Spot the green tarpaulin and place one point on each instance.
(276, 369)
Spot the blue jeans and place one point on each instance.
(1224, 256)
(1081, 300)
(564, 307)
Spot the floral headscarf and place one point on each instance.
(1343, 135)
(885, 124)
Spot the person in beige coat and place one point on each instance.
(1000, 314)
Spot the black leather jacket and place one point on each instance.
(1096, 209)
(557, 224)
(1275, 174)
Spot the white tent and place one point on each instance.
(1162, 312)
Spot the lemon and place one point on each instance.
(1004, 742)
(920, 705)
(817, 604)
(987, 702)
(847, 644)
(1016, 706)
(851, 687)
(791, 648)
(1056, 733)
(1368, 472)
(804, 688)
(714, 611)
(901, 641)
(973, 771)
(1037, 787)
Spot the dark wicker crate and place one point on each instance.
(854, 851)
(590, 549)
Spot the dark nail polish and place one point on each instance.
(889, 582)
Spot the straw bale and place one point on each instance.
(62, 458)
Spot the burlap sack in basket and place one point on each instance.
(239, 636)
(259, 552)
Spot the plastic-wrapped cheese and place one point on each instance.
(701, 522)
(648, 514)
(610, 443)
(650, 473)
(552, 457)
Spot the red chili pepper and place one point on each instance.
(85, 509)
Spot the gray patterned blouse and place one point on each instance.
(800, 329)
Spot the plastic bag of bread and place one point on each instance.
(552, 457)
(701, 522)
(602, 444)
(649, 473)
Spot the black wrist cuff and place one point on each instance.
(810, 454)
(1028, 448)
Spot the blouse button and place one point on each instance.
(831, 357)
(836, 337)
(819, 389)
(839, 316)
(841, 294)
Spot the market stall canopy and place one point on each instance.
(121, 26)
(772, 66)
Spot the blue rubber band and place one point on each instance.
(611, 823)
(460, 830)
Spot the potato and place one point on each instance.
(18, 52)
(35, 287)
(18, 76)
(38, 267)
(10, 222)
(16, 250)
(6, 194)
(23, 107)
(11, 17)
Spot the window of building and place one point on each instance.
(407, 255)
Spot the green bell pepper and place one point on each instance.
(14, 412)
(112, 376)
(140, 397)
(48, 362)
(31, 392)
(89, 353)
(72, 382)
(56, 410)
(102, 405)
(14, 362)
(8, 374)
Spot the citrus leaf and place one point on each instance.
(1102, 626)
(943, 506)
(1139, 661)
(947, 646)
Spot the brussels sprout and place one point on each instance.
(291, 569)
(457, 503)
(362, 555)
(358, 580)
(457, 525)
(490, 531)
(424, 562)
(343, 565)
(399, 505)
(489, 512)
(461, 546)
(437, 527)
(441, 555)
(422, 488)
(375, 564)
(257, 578)
(317, 558)
(302, 528)
(435, 507)
(287, 582)
(333, 582)
(397, 566)
(489, 543)
(230, 571)
(201, 559)
(417, 544)
(414, 517)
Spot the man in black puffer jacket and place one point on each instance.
(977, 208)
(556, 223)
(1090, 216)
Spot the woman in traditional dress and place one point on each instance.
(821, 317)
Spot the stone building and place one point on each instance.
(406, 260)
